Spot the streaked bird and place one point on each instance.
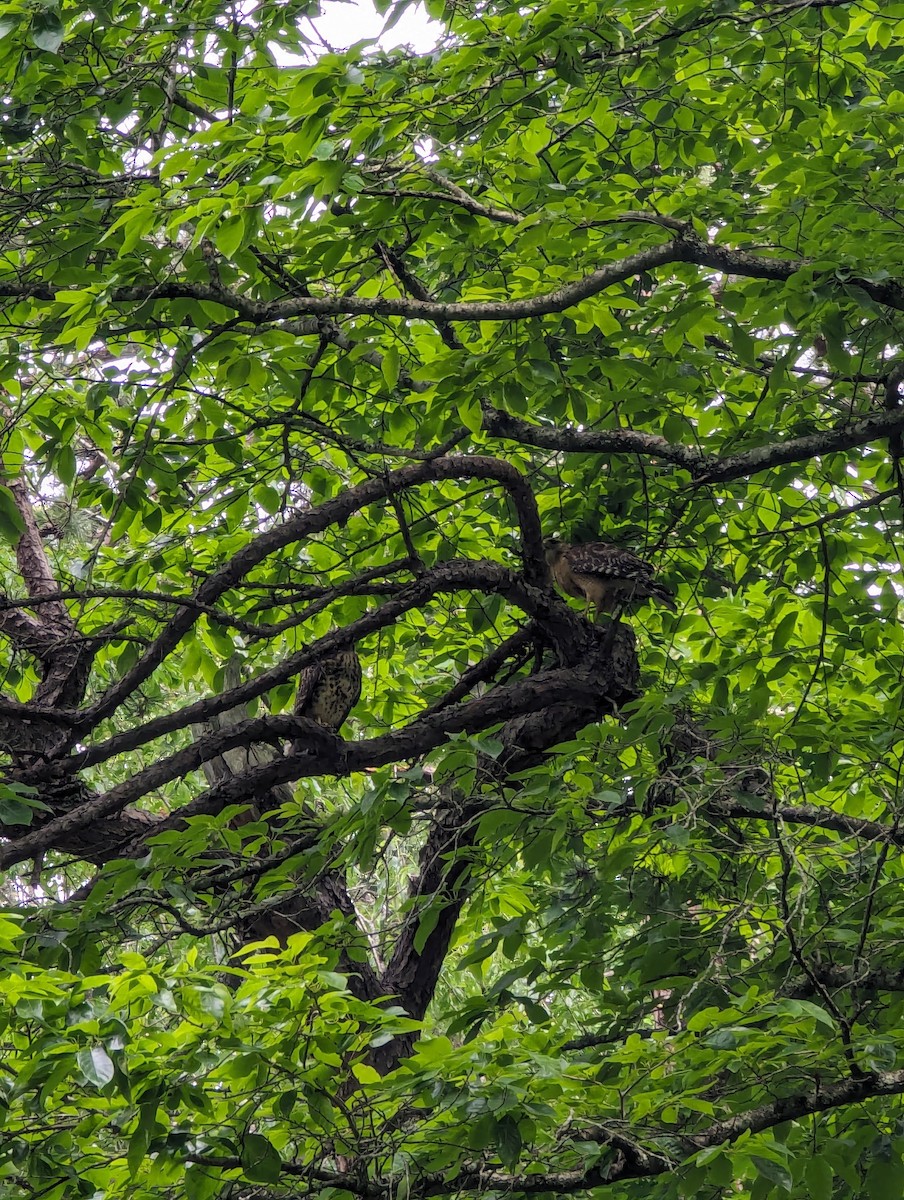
(328, 690)
(605, 576)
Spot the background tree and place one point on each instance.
(304, 352)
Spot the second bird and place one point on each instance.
(328, 690)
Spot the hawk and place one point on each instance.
(605, 576)
(328, 690)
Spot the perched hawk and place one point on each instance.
(329, 690)
(607, 577)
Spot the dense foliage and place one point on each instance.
(305, 350)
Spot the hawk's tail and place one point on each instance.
(665, 595)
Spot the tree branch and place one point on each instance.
(683, 249)
(814, 816)
(559, 621)
(50, 638)
(466, 200)
(343, 758)
(316, 520)
(631, 1159)
(704, 468)
(266, 312)
(607, 441)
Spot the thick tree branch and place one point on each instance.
(846, 436)
(682, 249)
(190, 106)
(407, 279)
(314, 521)
(318, 597)
(704, 468)
(813, 815)
(265, 313)
(630, 1160)
(32, 561)
(443, 884)
(791, 1108)
(51, 637)
(590, 441)
(842, 978)
(560, 623)
(343, 758)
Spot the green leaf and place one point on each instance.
(65, 464)
(773, 1171)
(95, 1065)
(508, 1141)
(260, 1161)
(882, 1179)
(820, 1014)
(14, 812)
(11, 524)
(202, 1183)
(214, 1000)
(19, 803)
(818, 1175)
(390, 367)
(230, 235)
(47, 30)
(470, 414)
(784, 631)
(138, 1148)
(426, 924)
(483, 1133)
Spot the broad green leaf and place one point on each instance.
(11, 524)
(95, 1065)
(260, 1161)
(47, 30)
(818, 1175)
(390, 367)
(230, 234)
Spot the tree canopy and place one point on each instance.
(304, 353)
